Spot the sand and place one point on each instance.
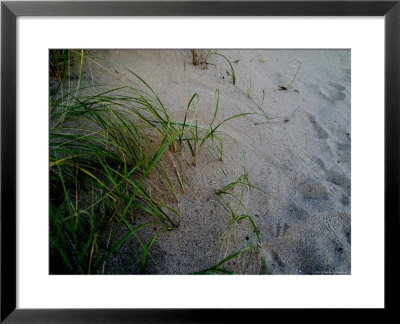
(300, 157)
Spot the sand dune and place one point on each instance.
(300, 156)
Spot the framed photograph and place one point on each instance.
(241, 154)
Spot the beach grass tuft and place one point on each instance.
(109, 148)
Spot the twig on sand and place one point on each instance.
(288, 86)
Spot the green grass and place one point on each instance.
(233, 198)
(104, 145)
(109, 148)
(233, 203)
(196, 137)
(230, 64)
(201, 57)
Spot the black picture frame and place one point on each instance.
(9, 13)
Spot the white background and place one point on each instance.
(363, 288)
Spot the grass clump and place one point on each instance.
(201, 58)
(196, 137)
(108, 147)
(102, 146)
(232, 200)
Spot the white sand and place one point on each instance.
(301, 157)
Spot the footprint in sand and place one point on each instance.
(343, 147)
(314, 195)
(345, 200)
(338, 179)
(281, 230)
(332, 90)
(310, 189)
(321, 132)
(318, 162)
(276, 259)
(344, 152)
(296, 214)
